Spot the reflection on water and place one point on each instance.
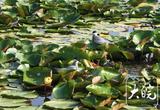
(37, 101)
(40, 100)
(129, 29)
(113, 33)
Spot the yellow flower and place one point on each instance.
(48, 80)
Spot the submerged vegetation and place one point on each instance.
(83, 75)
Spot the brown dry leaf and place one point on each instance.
(106, 102)
(94, 64)
(5, 49)
(40, 12)
(118, 106)
(96, 79)
(125, 94)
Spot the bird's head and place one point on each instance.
(95, 33)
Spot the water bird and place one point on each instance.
(99, 40)
(73, 67)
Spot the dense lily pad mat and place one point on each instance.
(38, 17)
(83, 75)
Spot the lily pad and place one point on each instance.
(156, 52)
(103, 90)
(91, 101)
(6, 102)
(128, 55)
(61, 104)
(106, 73)
(156, 69)
(68, 52)
(19, 94)
(63, 90)
(6, 43)
(45, 47)
(26, 108)
(33, 58)
(36, 75)
(141, 38)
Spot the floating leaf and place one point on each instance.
(139, 102)
(61, 104)
(156, 69)
(2, 56)
(33, 58)
(141, 36)
(10, 2)
(5, 102)
(156, 52)
(44, 47)
(36, 75)
(63, 90)
(18, 94)
(103, 90)
(128, 55)
(106, 73)
(72, 18)
(6, 43)
(22, 9)
(26, 108)
(72, 53)
(91, 101)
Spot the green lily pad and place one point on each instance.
(140, 36)
(26, 108)
(128, 55)
(36, 75)
(26, 46)
(19, 94)
(91, 101)
(139, 102)
(156, 52)
(2, 56)
(44, 47)
(10, 2)
(68, 52)
(103, 90)
(106, 73)
(6, 102)
(33, 59)
(6, 43)
(156, 69)
(22, 9)
(135, 2)
(61, 104)
(63, 90)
